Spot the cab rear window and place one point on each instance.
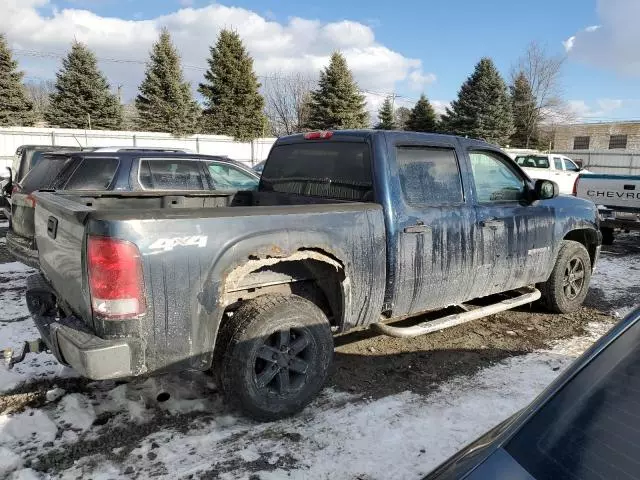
(338, 170)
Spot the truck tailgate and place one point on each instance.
(610, 190)
(60, 235)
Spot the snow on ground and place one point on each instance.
(121, 429)
(340, 436)
(16, 327)
(617, 278)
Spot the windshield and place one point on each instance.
(532, 161)
(340, 170)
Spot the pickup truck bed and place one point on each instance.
(618, 200)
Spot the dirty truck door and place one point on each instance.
(434, 226)
(516, 235)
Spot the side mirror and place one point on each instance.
(546, 189)
(579, 164)
(6, 189)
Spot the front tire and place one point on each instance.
(567, 287)
(276, 356)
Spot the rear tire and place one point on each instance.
(275, 354)
(567, 287)
(607, 236)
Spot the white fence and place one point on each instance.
(249, 153)
(617, 163)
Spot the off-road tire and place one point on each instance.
(557, 291)
(607, 236)
(256, 330)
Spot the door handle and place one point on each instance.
(52, 227)
(493, 223)
(417, 228)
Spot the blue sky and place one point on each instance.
(447, 37)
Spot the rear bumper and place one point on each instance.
(22, 249)
(73, 343)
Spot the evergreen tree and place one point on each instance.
(386, 120)
(524, 112)
(337, 104)
(15, 107)
(422, 117)
(81, 96)
(483, 107)
(233, 102)
(402, 117)
(164, 101)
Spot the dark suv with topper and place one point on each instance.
(120, 171)
(347, 229)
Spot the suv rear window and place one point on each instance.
(93, 174)
(533, 161)
(171, 174)
(340, 170)
(44, 173)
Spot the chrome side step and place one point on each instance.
(527, 295)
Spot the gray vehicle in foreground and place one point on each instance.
(347, 229)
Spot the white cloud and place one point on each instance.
(299, 45)
(418, 80)
(614, 42)
(604, 107)
(440, 106)
(568, 43)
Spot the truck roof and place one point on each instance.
(370, 133)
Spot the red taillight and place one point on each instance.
(322, 135)
(31, 199)
(115, 278)
(575, 187)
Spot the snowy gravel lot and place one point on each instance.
(393, 409)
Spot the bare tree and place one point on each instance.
(287, 99)
(544, 74)
(39, 93)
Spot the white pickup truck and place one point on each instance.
(617, 198)
(551, 166)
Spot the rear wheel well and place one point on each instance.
(311, 278)
(588, 238)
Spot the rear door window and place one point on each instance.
(327, 169)
(171, 174)
(429, 176)
(43, 175)
(557, 161)
(93, 174)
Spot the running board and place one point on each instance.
(527, 295)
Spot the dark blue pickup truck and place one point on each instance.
(347, 229)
